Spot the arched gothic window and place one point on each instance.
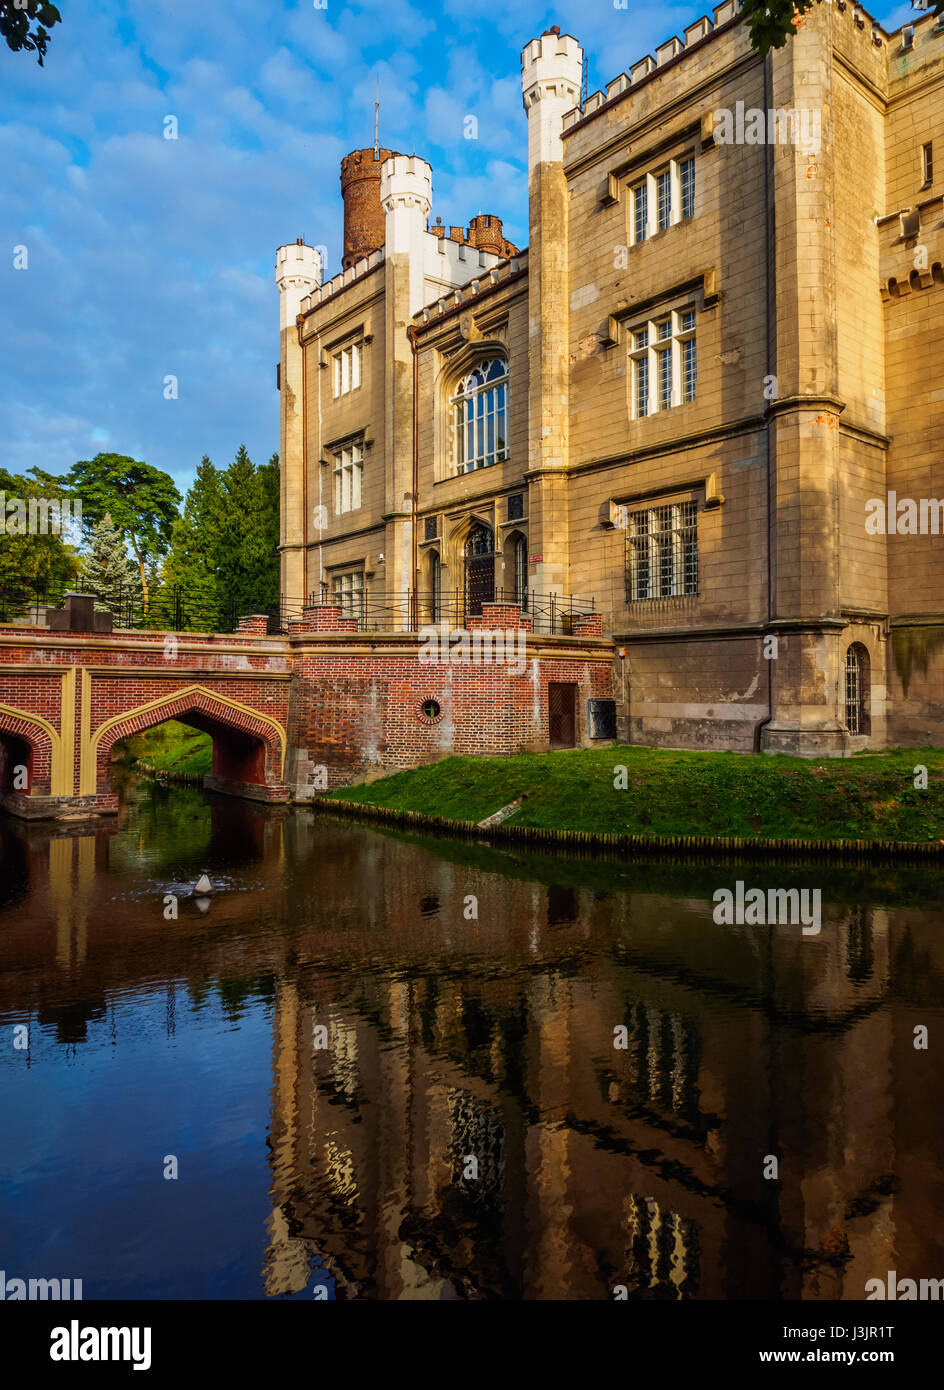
(858, 693)
(480, 416)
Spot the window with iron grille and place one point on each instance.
(664, 363)
(857, 689)
(662, 551)
(480, 416)
(349, 592)
(662, 199)
(431, 531)
(516, 506)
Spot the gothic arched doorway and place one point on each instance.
(479, 568)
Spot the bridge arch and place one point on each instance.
(28, 739)
(248, 746)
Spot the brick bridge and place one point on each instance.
(289, 715)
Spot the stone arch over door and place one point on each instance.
(478, 569)
(462, 535)
(248, 746)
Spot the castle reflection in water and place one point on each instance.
(493, 1039)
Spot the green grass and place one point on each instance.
(871, 796)
(172, 747)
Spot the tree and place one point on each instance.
(106, 570)
(34, 562)
(16, 16)
(142, 502)
(195, 554)
(771, 22)
(249, 534)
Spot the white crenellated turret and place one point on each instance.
(551, 78)
(406, 196)
(298, 271)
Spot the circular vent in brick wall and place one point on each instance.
(430, 711)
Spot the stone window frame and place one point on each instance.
(351, 597)
(353, 344)
(683, 512)
(458, 466)
(355, 465)
(643, 228)
(648, 345)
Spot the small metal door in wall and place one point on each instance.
(562, 714)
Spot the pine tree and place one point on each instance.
(107, 572)
(250, 534)
(195, 558)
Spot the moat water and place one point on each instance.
(338, 1077)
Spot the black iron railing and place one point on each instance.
(173, 608)
(409, 611)
(168, 607)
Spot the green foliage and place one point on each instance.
(250, 559)
(170, 747)
(771, 22)
(224, 548)
(35, 562)
(142, 502)
(106, 569)
(16, 17)
(676, 793)
(193, 562)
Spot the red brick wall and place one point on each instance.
(349, 701)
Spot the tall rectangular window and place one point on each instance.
(689, 355)
(664, 192)
(641, 372)
(640, 211)
(927, 164)
(347, 369)
(642, 386)
(348, 473)
(665, 378)
(662, 551)
(687, 182)
(689, 368)
(664, 363)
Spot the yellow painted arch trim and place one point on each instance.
(91, 760)
(57, 776)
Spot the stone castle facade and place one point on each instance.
(682, 403)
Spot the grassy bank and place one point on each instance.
(170, 747)
(871, 796)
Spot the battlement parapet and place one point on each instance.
(467, 294)
(341, 281)
(873, 37)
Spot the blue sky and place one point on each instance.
(150, 257)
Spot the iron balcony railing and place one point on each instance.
(409, 611)
(172, 608)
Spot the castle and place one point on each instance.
(680, 407)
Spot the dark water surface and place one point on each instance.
(332, 1048)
